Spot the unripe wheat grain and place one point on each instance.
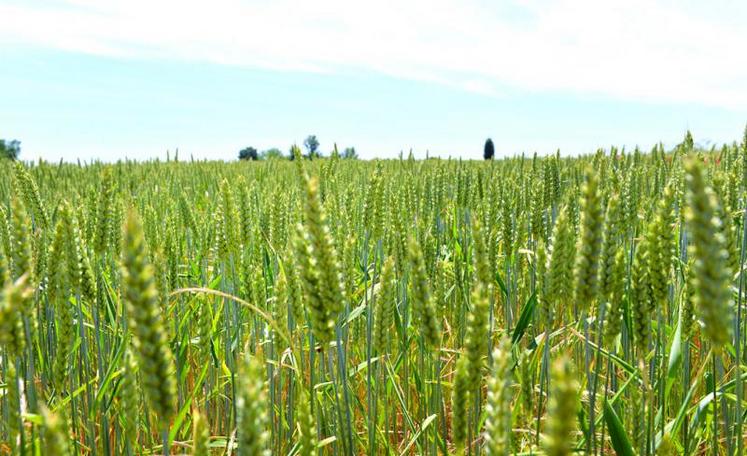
(150, 339)
(562, 409)
(710, 278)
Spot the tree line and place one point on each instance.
(311, 144)
(10, 149)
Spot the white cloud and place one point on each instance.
(645, 50)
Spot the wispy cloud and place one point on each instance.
(643, 50)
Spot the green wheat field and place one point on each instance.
(529, 305)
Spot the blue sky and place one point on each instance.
(107, 79)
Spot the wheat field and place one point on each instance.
(529, 305)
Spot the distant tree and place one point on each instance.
(10, 149)
(489, 151)
(312, 146)
(350, 153)
(248, 153)
(271, 153)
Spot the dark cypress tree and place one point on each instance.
(489, 149)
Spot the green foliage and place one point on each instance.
(10, 149)
(272, 153)
(312, 147)
(248, 153)
(349, 153)
(488, 150)
(351, 307)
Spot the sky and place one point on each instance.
(114, 79)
